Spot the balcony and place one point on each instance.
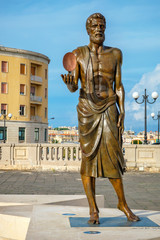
(36, 79)
(36, 118)
(36, 99)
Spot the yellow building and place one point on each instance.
(24, 94)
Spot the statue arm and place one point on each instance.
(119, 90)
(71, 79)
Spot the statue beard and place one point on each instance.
(97, 40)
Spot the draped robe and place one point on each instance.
(98, 132)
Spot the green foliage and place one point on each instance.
(54, 141)
(60, 129)
(137, 142)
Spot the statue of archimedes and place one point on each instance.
(100, 113)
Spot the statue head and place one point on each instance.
(95, 25)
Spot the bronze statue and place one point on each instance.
(101, 123)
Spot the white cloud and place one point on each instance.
(138, 116)
(134, 111)
(132, 106)
(150, 81)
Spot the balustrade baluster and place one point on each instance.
(71, 156)
(66, 154)
(56, 153)
(77, 154)
(44, 153)
(60, 153)
(50, 154)
(80, 154)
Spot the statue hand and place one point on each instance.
(69, 81)
(120, 123)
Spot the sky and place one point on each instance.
(54, 28)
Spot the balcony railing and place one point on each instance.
(35, 98)
(36, 78)
(36, 118)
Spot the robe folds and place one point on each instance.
(98, 132)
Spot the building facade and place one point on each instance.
(24, 94)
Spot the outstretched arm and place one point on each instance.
(71, 79)
(119, 90)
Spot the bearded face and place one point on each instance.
(96, 31)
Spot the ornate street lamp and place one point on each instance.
(158, 118)
(4, 115)
(145, 101)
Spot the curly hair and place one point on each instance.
(94, 15)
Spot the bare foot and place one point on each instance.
(127, 211)
(94, 218)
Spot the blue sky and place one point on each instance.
(56, 27)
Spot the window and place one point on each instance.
(21, 134)
(46, 74)
(33, 70)
(4, 87)
(45, 112)
(36, 134)
(3, 108)
(45, 92)
(45, 135)
(4, 67)
(22, 89)
(22, 68)
(22, 110)
(2, 133)
(33, 111)
(33, 90)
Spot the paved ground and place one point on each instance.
(142, 189)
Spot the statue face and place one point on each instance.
(96, 31)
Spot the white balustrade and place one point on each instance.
(60, 152)
(68, 156)
(61, 156)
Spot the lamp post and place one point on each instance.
(145, 101)
(158, 118)
(4, 119)
(52, 118)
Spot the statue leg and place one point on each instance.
(89, 187)
(122, 205)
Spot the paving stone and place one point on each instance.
(141, 189)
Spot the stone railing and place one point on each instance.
(143, 157)
(67, 157)
(62, 156)
(45, 156)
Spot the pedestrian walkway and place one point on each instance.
(142, 190)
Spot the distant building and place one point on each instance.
(24, 94)
(127, 136)
(151, 136)
(63, 134)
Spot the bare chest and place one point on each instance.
(103, 63)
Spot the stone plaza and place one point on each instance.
(52, 205)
